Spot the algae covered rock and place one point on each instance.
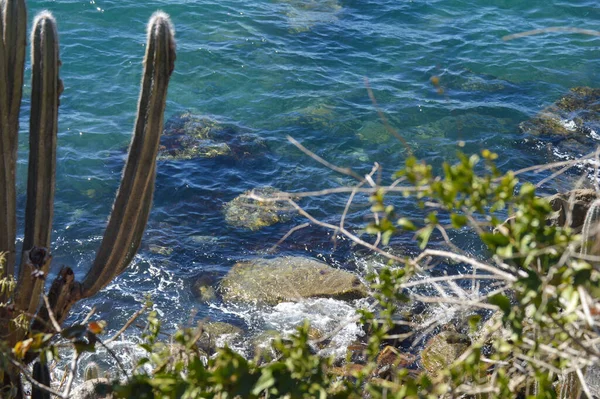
(443, 349)
(187, 136)
(254, 215)
(577, 113)
(204, 287)
(271, 281)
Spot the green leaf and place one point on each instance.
(502, 302)
(385, 237)
(458, 221)
(406, 224)
(423, 236)
(494, 240)
(266, 381)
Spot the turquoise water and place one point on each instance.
(290, 67)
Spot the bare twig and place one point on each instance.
(128, 324)
(51, 314)
(345, 171)
(114, 356)
(25, 373)
(90, 314)
(288, 234)
(384, 119)
(71, 377)
(552, 29)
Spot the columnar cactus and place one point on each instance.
(12, 61)
(133, 201)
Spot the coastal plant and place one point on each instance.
(27, 327)
(532, 333)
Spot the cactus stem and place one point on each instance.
(13, 25)
(134, 198)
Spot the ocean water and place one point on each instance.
(299, 68)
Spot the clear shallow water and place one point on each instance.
(289, 67)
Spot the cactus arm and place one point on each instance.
(43, 131)
(41, 374)
(13, 20)
(15, 27)
(131, 208)
(35, 262)
(140, 226)
(63, 294)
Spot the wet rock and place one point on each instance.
(100, 388)
(160, 250)
(204, 287)
(218, 334)
(575, 202)
(461, 126)
(319, 116)
(374, 133)
(254, 215)
(271, 281)
(443, 349)
(187, 136)
(262, 346)
(390, 359)
(577, 113)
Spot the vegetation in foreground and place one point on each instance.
(539, 342)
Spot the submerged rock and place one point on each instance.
(443, 349)
(302, 15)
(577, 113)
(254, 215)
(271, 281)
(374, 133)
(204, 287)
(187, 136)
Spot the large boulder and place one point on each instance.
(188, 136)
(271, 281)
(252, 214)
